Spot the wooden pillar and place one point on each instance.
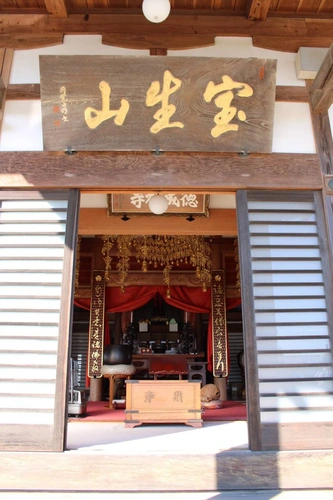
(6, 58)
(96, 389)
(221, 383)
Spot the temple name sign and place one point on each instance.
(116, 103)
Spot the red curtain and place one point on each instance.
(191, 299)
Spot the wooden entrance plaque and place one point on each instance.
(116, 103)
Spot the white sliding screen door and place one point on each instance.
(37, 240)
(286, 271)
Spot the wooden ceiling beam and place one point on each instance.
(257, 9)
(96, 221)
(321, 94)
(33, 30)
(57, 8)
(147, 42)
(290, 44)
(30, 41)
(181, 172)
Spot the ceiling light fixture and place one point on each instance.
(158, 204)
(156, 11)
(125, 218)
(190, 218)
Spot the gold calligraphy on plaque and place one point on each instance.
(96, 330)
(223, 100)
(95, 117)
(171, 84)
(133, 103)
(219, 324)
(163, 115)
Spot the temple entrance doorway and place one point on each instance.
(165, 323)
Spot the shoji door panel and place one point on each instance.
(287, 298)
(37, 234)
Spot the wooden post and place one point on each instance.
(6, 58)
(96, 389)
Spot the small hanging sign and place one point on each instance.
(138, 203)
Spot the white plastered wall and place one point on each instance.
(22, 123)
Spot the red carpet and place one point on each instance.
(99, 412)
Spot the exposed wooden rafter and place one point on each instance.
(57, 8)
(321, 93)
(257, 9)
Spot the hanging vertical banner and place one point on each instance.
(96, 329)
(219, 326)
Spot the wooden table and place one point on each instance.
(163, 401)
(187, 356)
(142, 361)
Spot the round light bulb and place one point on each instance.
(158, 204)
(156, 11)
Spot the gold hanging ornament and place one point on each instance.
(107, 245)
(159, 251)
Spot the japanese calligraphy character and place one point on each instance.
(163, 115)
(172, 200)
(178, 396)
(94, 367)
(219, 363)
(138, 199)
(94, 117)
(189, 200)
(223, 101)
(149, 396)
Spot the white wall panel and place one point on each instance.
(30, 290)
(29, 417)
(292, 330)
(292, 343)
(286, 278)
(289, 417)
(295, 372)
(302, 359)
(290, 291)
(286, 265)
(296, 386)
(294, 402)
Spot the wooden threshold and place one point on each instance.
(228, 470)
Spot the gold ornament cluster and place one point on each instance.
(166, 252)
